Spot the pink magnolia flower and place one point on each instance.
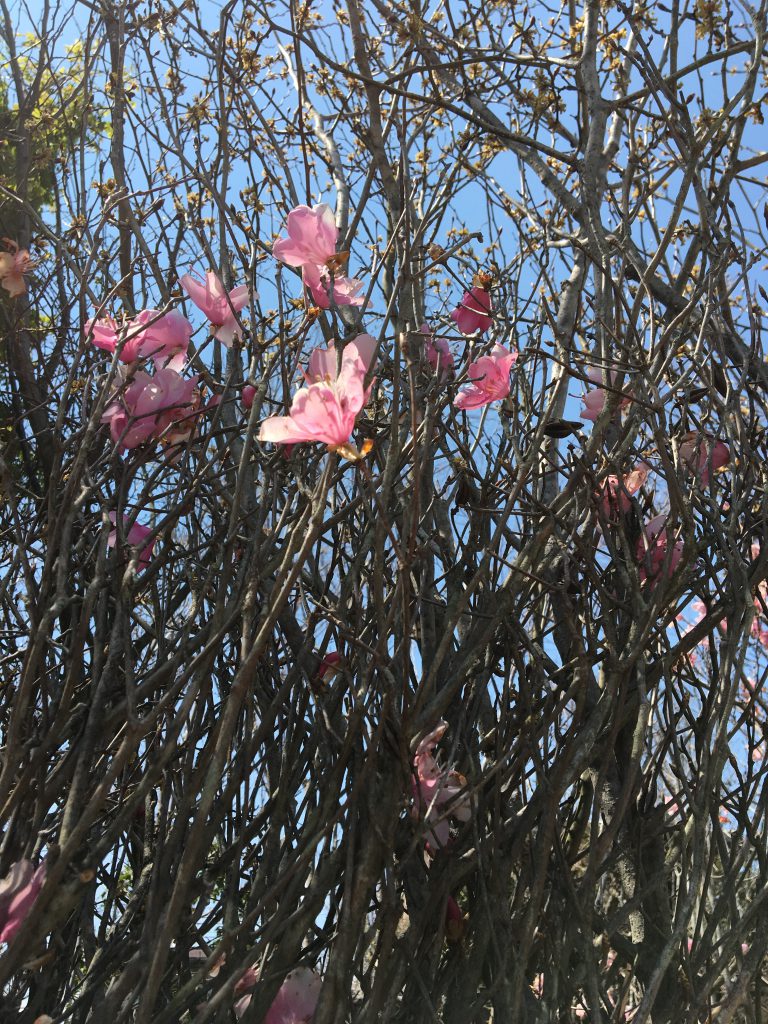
(438, 353)
(473, 312)
(323, 363)
(702, 456)
(435, 790)
(328, 668)
(594, 401)
(247, 395)
(219, 306)
(654, 552)
(346, 290)
(18, 892)
(13, 266)
(490, 379)
(296, 1001)
(135, 537)
(105, 333)
(182, 430)
(326, 410)
(148, 406)
(616, 497)
(312, 237)
(311, 245)
(163, 337)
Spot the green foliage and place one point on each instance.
(57, 113)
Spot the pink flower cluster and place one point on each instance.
(149, 406)
(657, 554)
(163, 406)
(327, 408)
(437, 792)
(311, 245)
(162, 337)
(18, 892)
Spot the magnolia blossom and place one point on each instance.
(702, 455)
(18, 892)
(13, 266)
(328, 668)
(220, 306)
(323, 362)
(326, 410)
(135, 537)
(438, 353)
(594, 401)
(616, 496)
(472, 313)
(312, 237)
(247, 395)
(436, 789)
(655, 552)
(490, 379)
(311, 245)
(163, 337)
(148, 406)
(183, 429)
(296, 1001)
(346, 290)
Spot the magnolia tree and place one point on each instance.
(384, 624)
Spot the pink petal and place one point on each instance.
(23, 891)
(105, 333)
(490, 379)
(312, 237)
(345, 289)
(297, 999)
(471, 314)
(282, 430)
(211, 298)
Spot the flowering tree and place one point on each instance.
(384, 616)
